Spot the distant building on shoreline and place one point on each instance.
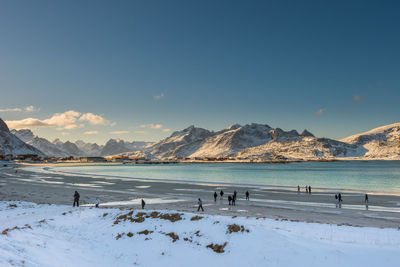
(92, 159)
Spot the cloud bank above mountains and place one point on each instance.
(64, 121)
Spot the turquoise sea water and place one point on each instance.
(371, 176)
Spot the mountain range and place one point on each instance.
(10, 144)
(250, 141)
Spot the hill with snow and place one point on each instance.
(379, 143)
(252, 141)
(11, 144)
(50, 235)
(57, 148)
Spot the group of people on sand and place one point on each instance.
(307, 187)
(339, 200)
(231, 199)
(96, 202)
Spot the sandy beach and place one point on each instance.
(281, 204)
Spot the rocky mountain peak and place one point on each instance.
(306, 133)
(3, 126)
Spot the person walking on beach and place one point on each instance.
(229, 199)
(76, 199)
(234, 194)
(143, 204)
(234, 200)
(336, 200)
(309, 189)
(96, 202)
(200, 205)
(366, 199)
(298, 188)
(340, 197)
(247, 195)
(215, 196)
(221, 194)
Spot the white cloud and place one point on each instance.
(166, 130)
(152, 126)
(158, 97)
(94, 119)
(119, 132)
(25, 109)
(320, 112)
(91, 132)
(31, 109)
(63, 121)
(11, 110)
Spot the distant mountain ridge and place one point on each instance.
(381, 143)
(57, 148)
(250, 141)
(10, 144)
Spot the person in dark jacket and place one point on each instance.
(247, 195)
(200, 205)
(366, 198)
(76, 199)
(234, 194)
(309, 189)
(234, 200)
(229, 199)
(221, 194)
(143, 204)
(215, 196)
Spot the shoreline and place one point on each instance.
(78, 163)
(289, 188)
(275, 203)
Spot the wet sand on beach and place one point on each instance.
(284, 204)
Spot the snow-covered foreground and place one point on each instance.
(51, 235)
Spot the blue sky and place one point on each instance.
(147, 68)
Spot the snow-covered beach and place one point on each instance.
(49, 187)
(58, 235)
(280, 227)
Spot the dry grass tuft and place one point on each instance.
(234, 228)
(145, 232)
(173, 236)
(119, 236)
(217, 248)
(196, 218)
(171, 217)
(7, 230)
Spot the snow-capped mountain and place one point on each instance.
(89, 149)
(57, 148)
(70, 148)
(379, 143)
(117, 146)
(181, 143)
(42, 144)
(249, 141)
(11, 144)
